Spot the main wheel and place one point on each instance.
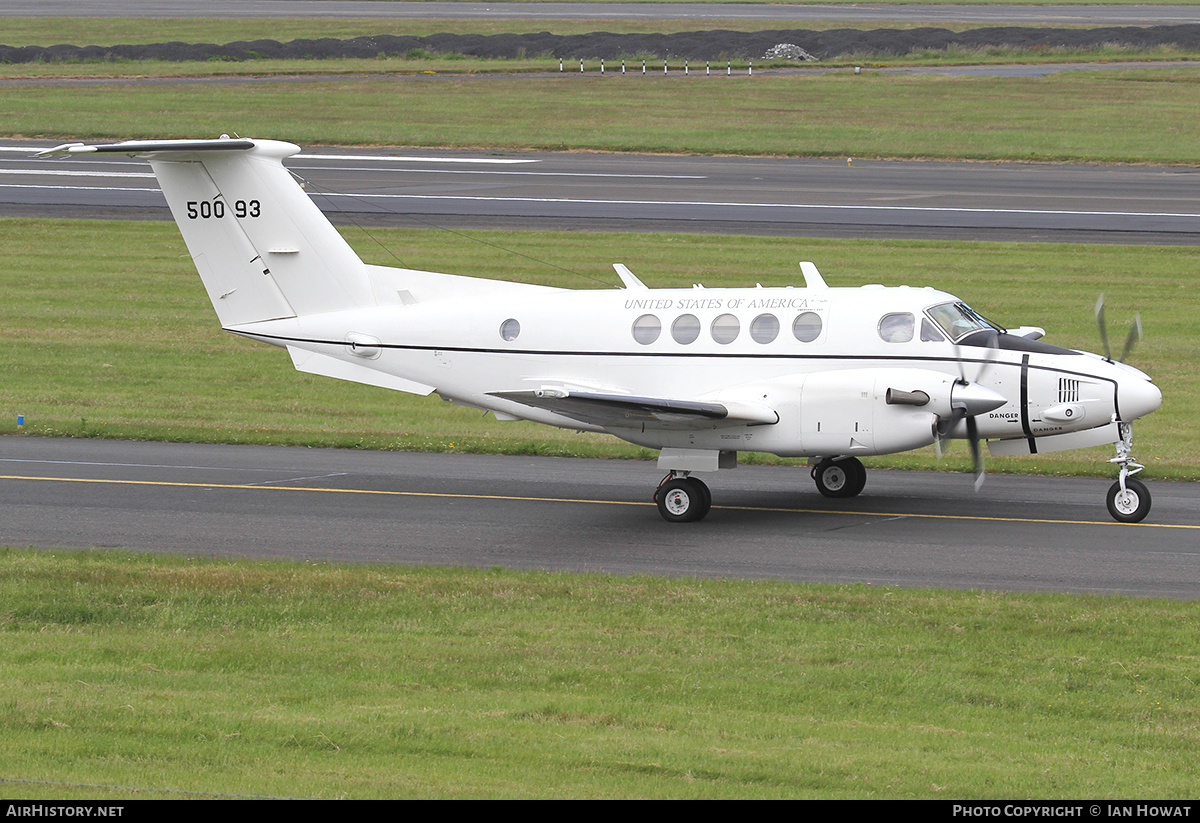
(683, 500)
(1131, 505)
(840, 478)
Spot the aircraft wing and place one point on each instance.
(626, 411)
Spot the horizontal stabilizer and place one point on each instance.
(135, 147)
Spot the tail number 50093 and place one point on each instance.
(216, 209)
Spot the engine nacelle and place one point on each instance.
(847, 412)
(863, 411)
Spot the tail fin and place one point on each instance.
(263, 249)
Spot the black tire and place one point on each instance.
(683, 500)
(1133, 505)
(840, 478)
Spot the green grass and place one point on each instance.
(337, 682)
(105, 31)
(105, 331)
(829, 115)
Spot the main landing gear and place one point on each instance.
(839, 476)
(1128, 499)
(682, 498)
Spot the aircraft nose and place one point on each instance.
(1137, 398)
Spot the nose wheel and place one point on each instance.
(1130, 504)
(682, 499)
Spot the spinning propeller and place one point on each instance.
(1135, 333)
(968, 399)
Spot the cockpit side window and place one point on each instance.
(896, 327)
(929, 332)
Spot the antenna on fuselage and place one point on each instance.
(812, 277)
(629, 278)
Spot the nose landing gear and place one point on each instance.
(1128, 499)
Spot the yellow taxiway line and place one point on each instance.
(459, 495)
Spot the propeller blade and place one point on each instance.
(991, 352)
(976, 455)
(1135, 336)
(1103, 327)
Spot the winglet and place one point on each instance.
(629, 278)
(812, 277)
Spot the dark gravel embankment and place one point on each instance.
(701, 45)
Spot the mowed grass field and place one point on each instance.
(136, 677)
(130, 677)
(872, 115)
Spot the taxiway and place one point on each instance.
(329, 505)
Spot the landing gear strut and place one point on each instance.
(682, 498)
(839, 477)
(1128, 499)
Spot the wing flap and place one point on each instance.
(624, 411)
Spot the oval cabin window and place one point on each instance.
(646, 329)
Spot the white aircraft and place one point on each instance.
(825, 373)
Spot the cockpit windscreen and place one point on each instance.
(958, 320)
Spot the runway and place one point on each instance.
(767, 196)
(327, 505)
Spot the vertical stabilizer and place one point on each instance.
(263, 249)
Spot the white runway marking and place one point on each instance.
(516, 173)
(69, 173)
(694, 203)
(397, 159)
